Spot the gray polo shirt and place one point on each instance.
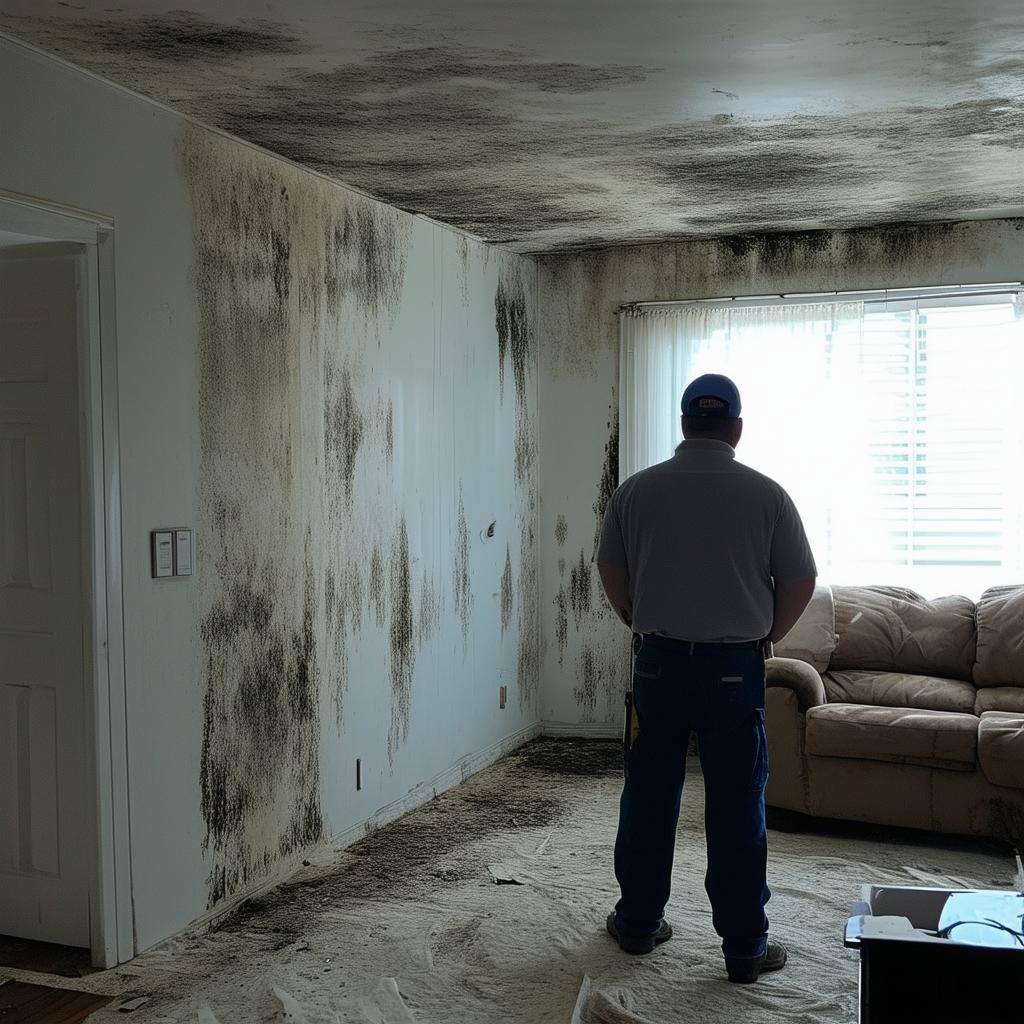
(702, 538)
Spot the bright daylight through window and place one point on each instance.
(893, 420)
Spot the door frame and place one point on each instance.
(111, 924)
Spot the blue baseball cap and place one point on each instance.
(711, 395)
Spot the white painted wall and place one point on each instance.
(583, 678)
(72, 139)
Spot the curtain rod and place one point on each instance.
(875, 296)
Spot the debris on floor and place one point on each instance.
(503, 874)
(409, 927)
(132, 1004)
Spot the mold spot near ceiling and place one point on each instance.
(183, 37)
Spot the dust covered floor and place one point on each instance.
(412, 924)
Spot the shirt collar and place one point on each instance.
(705, 446)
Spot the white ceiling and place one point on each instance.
(579, 123)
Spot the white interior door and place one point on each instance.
(46, 854)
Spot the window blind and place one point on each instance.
(895, 424)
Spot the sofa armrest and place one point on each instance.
(1001, 748)
(798, 676)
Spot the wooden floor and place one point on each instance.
(44, 957)
(36, 1004)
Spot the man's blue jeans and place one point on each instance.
(719, 694)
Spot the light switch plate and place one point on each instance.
(162, 542)
(183, 553)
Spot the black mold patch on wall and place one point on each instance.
(386, 414)
(462, 580)
(344, 426)
(513, 323)
(259, 776)
(609, 474)
(588, 679)
(528, 662)
(561, 529)
(429, 619)
(263, 730)
(561, 622)
(378, 586)
(515, 340)
(507, 593)
(402, 638)
(372, 245)
(580, 590)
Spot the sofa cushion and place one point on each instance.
(934, 739)
(900, 690)
(1001, 748)
(813, 638)
(896, 630)
(1000, 655)
(999, 698)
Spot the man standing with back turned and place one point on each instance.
(707, 562)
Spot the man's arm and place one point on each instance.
(790, 601)
(616, 587)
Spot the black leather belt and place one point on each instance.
(701, 647)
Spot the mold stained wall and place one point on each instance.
(585, 649)
(340, 398)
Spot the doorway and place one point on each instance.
(64, 866)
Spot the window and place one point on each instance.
(894, 422)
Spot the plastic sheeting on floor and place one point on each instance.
(412, 925)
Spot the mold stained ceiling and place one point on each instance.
(549, 125)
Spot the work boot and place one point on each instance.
(745, 970)
(639, 944)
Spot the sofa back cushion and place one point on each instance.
(813, 638)
(1000, 653)
(896, 630)
(900, 690)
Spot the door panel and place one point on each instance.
(45, 853)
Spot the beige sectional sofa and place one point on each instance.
(887, 708)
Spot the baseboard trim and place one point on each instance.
(454, 775)
(583, 730)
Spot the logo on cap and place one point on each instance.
(710, 403)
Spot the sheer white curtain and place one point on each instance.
(896, 430)
(801, 420)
